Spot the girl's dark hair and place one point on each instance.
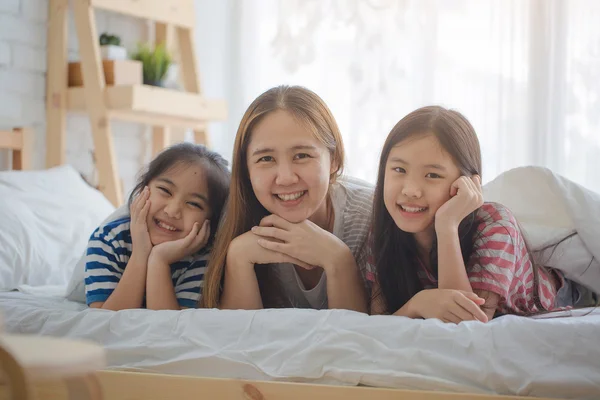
(215, 168)
(395, 251)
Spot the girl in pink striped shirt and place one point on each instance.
(439, 251)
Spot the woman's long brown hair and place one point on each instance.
(243, 208)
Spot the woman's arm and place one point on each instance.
(312, 246)
(240, 286)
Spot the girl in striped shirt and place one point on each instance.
(153, 251)
(439, 251)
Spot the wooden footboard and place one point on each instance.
(147, 386)
(20, 142)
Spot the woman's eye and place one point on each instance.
(300, 156)
(399, 170)
(433, 175)
(266, 159)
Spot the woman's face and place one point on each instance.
(289, 167)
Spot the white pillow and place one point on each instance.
(46, 218)
(76, 287)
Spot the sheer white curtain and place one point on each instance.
(526, 73)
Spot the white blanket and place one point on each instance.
(549, 207)
(557, 357)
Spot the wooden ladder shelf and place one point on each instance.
(151, 105)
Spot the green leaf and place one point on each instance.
(155, 61)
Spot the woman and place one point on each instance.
(293, 230)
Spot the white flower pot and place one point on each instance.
(112, 52)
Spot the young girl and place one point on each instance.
(155, 253)
(439, 250)
(294, 230)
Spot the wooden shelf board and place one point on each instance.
(154, 105)
(180, 13)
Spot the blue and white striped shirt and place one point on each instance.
(108, 253)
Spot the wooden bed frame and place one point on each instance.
(20, 142)
(122, 385)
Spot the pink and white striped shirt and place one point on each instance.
(500, 264)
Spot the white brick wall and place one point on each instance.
(9, 6)
(23, 84)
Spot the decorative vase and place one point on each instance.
(112, 52)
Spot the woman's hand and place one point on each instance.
(447, 305)
(304, 241)
(175, 250)
(140, 238)
(466, 196)
(246, 247)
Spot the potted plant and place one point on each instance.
(110, 47)
(155, 63)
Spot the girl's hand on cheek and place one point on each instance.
(304, 241)
(466, 196)
(175, 250)
(140, 238)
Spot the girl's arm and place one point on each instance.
(446, 305)
(452, 273)
(129, 292)
(160, 293)
(492, 301)
(465, 197)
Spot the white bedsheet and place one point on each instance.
(557, 357)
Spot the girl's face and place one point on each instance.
(289, 168)
(178, 199)
(418, 176)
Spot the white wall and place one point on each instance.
(23, 81)
(218, 58)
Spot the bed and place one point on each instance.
(272, 354)
(552, 357)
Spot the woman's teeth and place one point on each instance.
(413, 209)
(291, 196)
